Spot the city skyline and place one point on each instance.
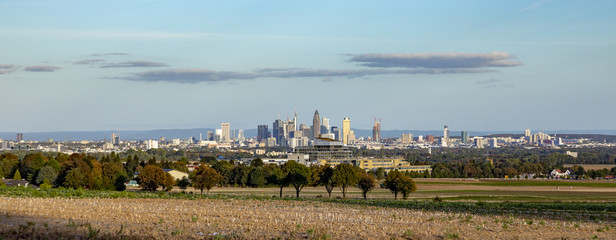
(476, 66)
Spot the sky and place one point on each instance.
(75, 65)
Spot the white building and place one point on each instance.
(151, 144)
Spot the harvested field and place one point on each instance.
(266, 219)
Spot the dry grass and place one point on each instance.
(265, 219)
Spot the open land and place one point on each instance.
(468, 209)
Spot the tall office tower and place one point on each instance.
(527, 132)
(316, 125)
(276, 127)
(376, 131)
(306, 132)
(20, 136)
(336, 131)
(210, 136)
(463, 137)
(278, 131)
(446, 133)
(295, 121)
(218, 135)
(325, 125)
(226, 132)
(346, 129)
(262, 133)
(430, 138)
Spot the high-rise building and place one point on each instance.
(278, 131)
(316, 125)
(240, 135)
(295, 121)
(346, 129)
(446, 133)
(151, 144)
(376, 131)
(210, 136)
(527, 132)
(336, 131)
(407, 138)
(430, 138)
(325, 126)
(226, 132)
(262, 133)
(20, 137)
(463, 137)
(115, 139)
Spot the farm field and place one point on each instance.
(456, 189)
(466, 209)
(591, 166)
(266, 219)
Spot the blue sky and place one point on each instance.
(473, 65)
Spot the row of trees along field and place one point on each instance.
(293, 174)
(111, 172)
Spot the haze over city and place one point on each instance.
(475, 65)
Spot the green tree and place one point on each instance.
(120, 183)
(206, 178)
(345, 176)
(17, 175)
(168, 182)
(257, 162)
(397, 182)
(151, 177)
(408, 186)
(111, 172)
(366, 183)
(8, 164)
(224, 168)
(183, 183)
(325, 177)
(46, 173)
(380, 173)
(277, 177)
(74, 179)
(256, 178)
(46, 185)
(297, 175)
(131, 164)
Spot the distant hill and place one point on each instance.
(249, 133)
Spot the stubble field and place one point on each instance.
(470, 209)
(268, 219)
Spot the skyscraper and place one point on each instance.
(316, 125)
(20, 136)
(262, 133)
(463, 137)
(446, 132)
(346, 129)
(278, 131)
(226, 132)
(325, 126)
(115, 139)
(376, 131)
(527, 132)
(336, 131)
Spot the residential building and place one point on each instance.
(226, 132)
